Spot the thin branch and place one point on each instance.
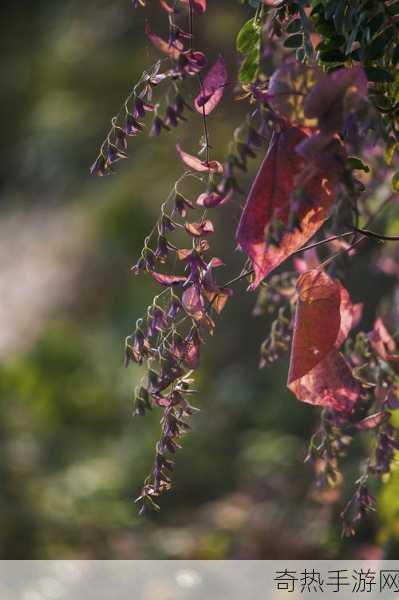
(373, 234)
(303, 249)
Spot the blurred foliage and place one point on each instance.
(72, 457)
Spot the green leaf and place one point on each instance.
(378, 75)
(250, 67)
(294, 26)
(294, 41)
(389, 152)
(248, 37)
(395, 182)
(378, 46)
(375, 23)
(332, 56)
(333, 43)
(393, 10)
(354, 162)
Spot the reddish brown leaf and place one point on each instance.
(382, 342)
(318, 373)
(195, 163)
(191, 350)
(329, 384)
(167, 280)
(214, 199)
(193, 302)
(166, 6)
(173, 50)
(330, 97)
(288, 88)
(372, 421)
(212, 88)
(199, 229)
(317, 321)
(270, 198)
(219, 299)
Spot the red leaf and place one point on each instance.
(173, 50)
(199, 229)
(270, 198)
(213, 166)
(166, 6)
(167, 280)
(288, 87)
(330, 97)
(212, 88)
(214, 199)
(191, 351)
(372, 421)
(318, 373)
(193, 302)
(382, 342)
(329, 384)
(317, 321)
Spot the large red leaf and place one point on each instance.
(324, 316)
(270, 198)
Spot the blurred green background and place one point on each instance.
(72, 457)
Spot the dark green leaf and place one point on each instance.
(294, 26)
(393, 9)
(332, 56)
(378, 46)
(375, 23)
(353, 162)
(294, 41)
(378, 75)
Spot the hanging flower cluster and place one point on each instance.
(319, 87)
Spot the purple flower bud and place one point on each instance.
(166, 224)
(139, 267)
(182, 204)
(114, 154)
(171, 117)
(174, 308)
(157, 126)
(132, 126)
